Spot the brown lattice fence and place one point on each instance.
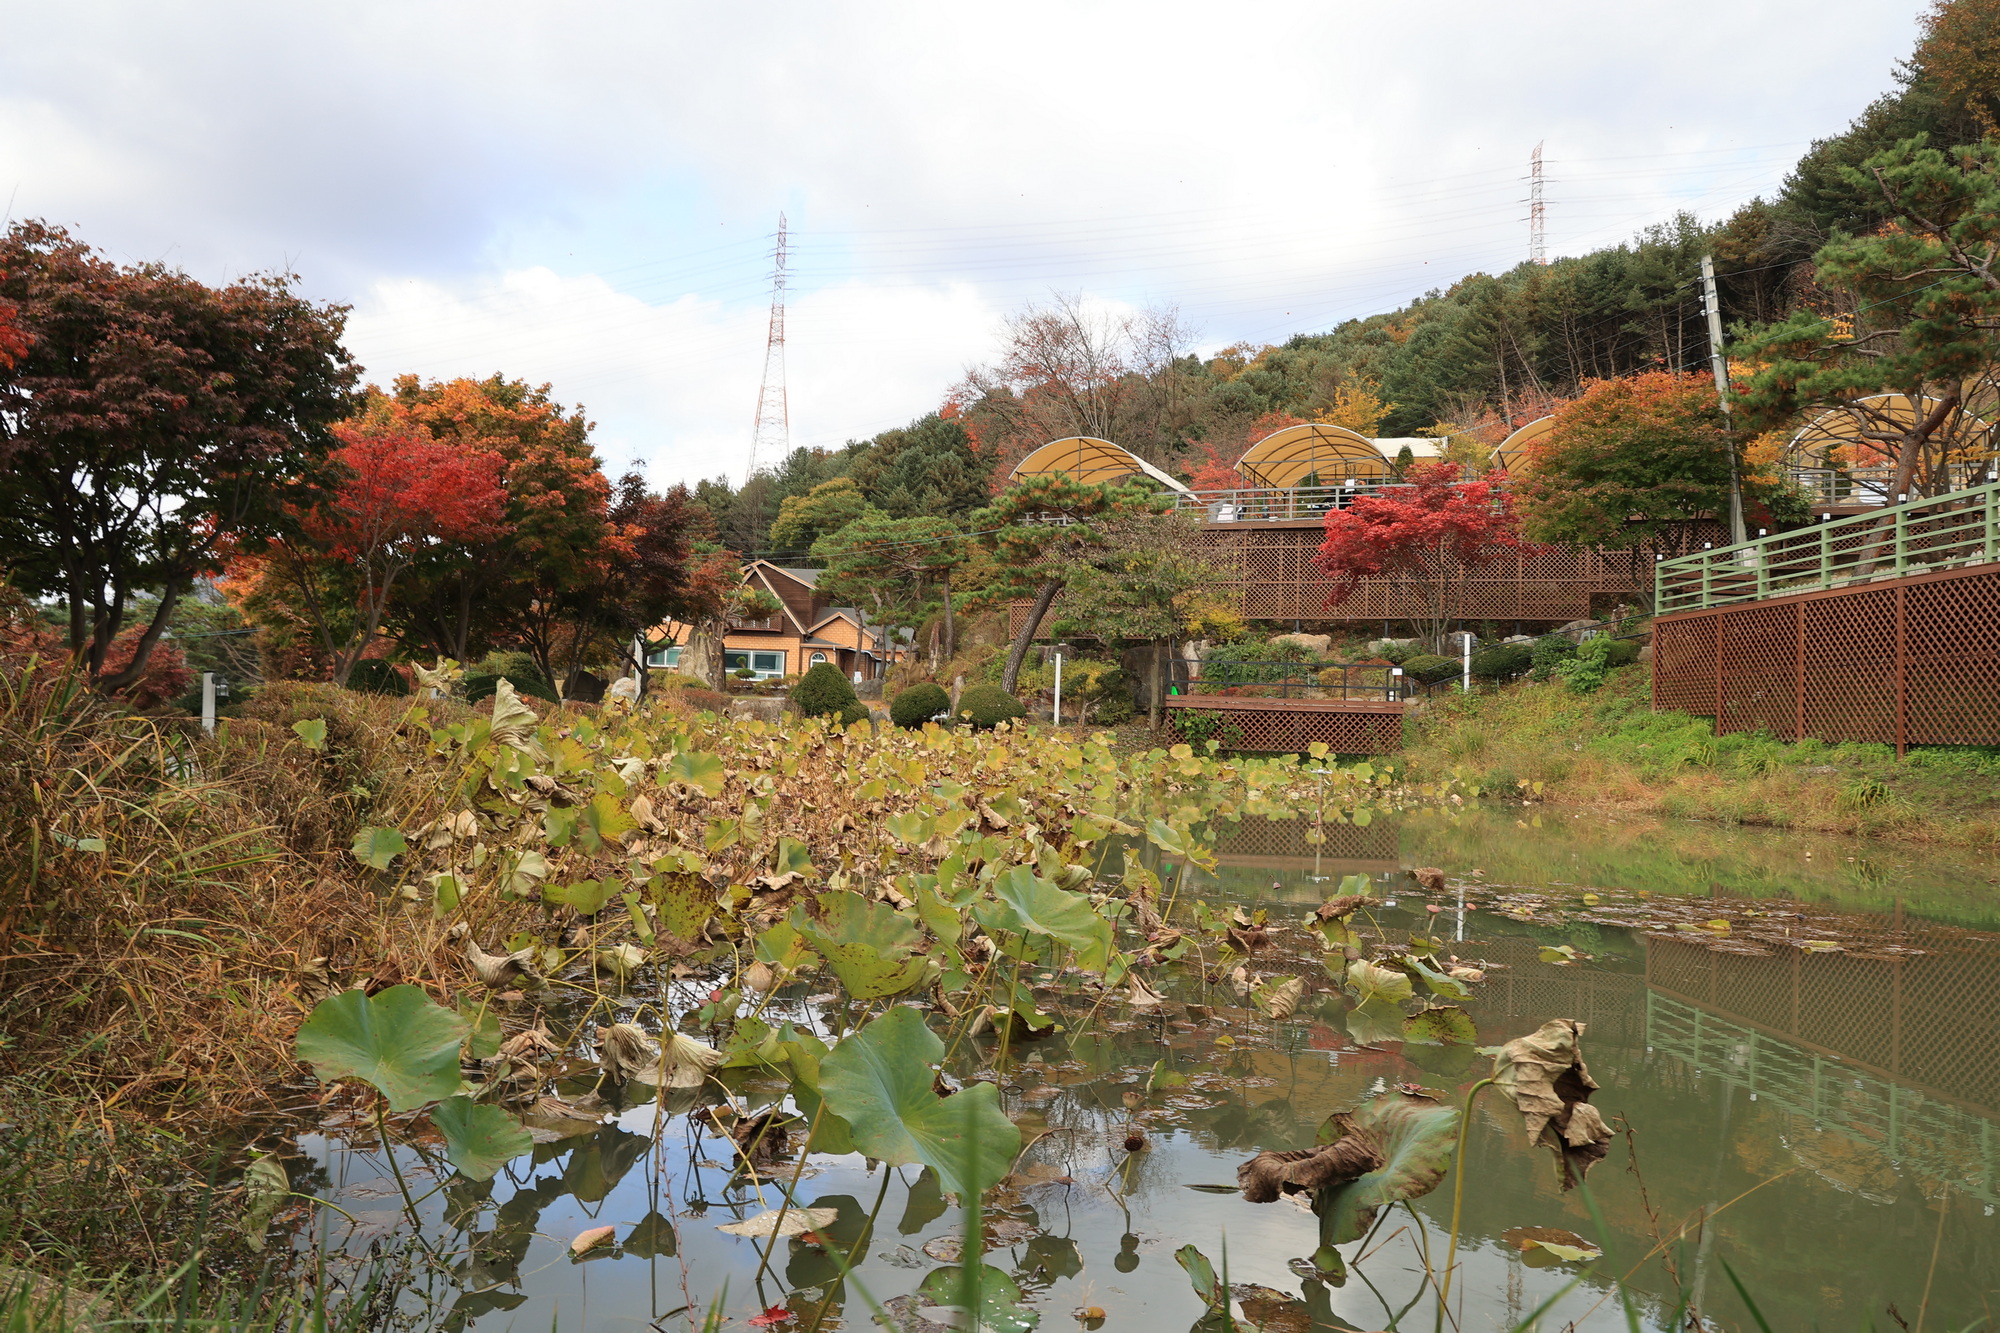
(1912, 661)
(1289, 726)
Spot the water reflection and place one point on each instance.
(1839, 1108)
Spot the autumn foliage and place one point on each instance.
(1428, 532)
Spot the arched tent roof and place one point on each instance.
(1331, 453)
(1843, 429)
(1511, 452)
(1091, 461)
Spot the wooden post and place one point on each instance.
(1718, 671)
(1799, 669)
(1902, 674)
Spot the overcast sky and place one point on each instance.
(585, 193)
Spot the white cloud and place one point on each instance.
(674, 384)
(582, 192)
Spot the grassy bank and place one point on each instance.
(1610, 752)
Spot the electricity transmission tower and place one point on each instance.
(1538, 241)
(771, 437)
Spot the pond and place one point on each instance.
(1808, 1104)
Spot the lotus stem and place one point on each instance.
(1457, 1192)
(389, 1151)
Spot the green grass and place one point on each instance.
(1610, 750)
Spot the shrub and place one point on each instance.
(372, 675)
(1550, 651)
(1503, 661)
(672, 680)
(1584, 670)
(519, 668)
(919, 704)
(824, 692)
(1201, 728)
(987, 706)
(854, 712)
(1111, 699)
(1430, 668)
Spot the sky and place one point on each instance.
(587, 193)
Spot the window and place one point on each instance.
(818, 658)
(767, 665)
(669, 657)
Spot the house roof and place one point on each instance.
(809, 577)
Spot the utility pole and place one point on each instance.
(772, 434)
(1737, 532)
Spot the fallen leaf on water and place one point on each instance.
(772, 1317)
(1140, 995)
(796, 1221)
(591, 1239)
(1551, 1244)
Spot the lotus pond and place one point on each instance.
(763, 1031)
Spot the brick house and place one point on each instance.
(805, 630)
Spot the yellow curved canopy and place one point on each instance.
(1091, 461)
(1329, 454)
(1841, 437)
(1511, 453)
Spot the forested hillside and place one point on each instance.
(1468, 362)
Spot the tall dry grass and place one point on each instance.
(162, 892)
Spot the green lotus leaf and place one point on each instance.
(870, 946)
(998, 1297)
(705, 771)
(312, 731)
(1413, 1136)
(1026, 905)
(602, 823)
(1372, 980)
(377, 847)
(1375, 1020)
(880, 1081)
(1202, 1274)
(483, 1034)
(479, 1139)
(1440, 1025)
(400, 1041)
(791, 858)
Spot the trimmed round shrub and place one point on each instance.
(989, 706)
(825, 692)
(673, 680)
(1624, 652)
(1503, 661)
(373, 675)
(1430, 668)
(854, 712)
(919, 704)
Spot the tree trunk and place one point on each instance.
(1159, 686)
(143, 653)
(1044, 596)
(950, 631)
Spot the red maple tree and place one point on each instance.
(401, 494)
(1428, 533)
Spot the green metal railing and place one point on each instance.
(1916, 537)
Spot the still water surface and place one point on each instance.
(1836, 1115)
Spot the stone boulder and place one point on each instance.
(1316, 644)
